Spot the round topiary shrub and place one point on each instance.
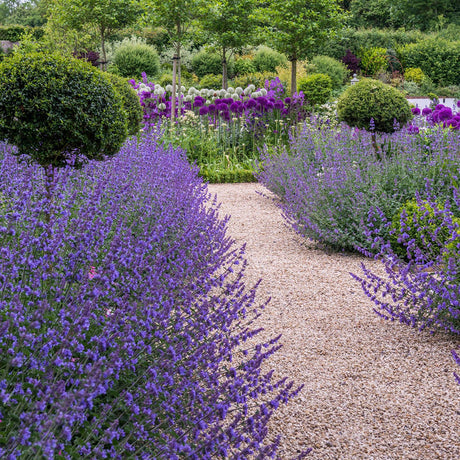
(59, 111)
(131, 59)
(330, 66)
(317, 88)
(371, 99)
(206, 63)
(267, 60)
(130, 101)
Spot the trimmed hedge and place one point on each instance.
(14, 33)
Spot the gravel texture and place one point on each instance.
(373, 389)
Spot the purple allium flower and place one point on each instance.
(426, 111)
(445, 113)
(453, 124)
(279, 105)
(198, 102)
(412, 129)
(439, 106)
(415, 111)
(234, 107)
(250, 103)
(212, 108)
(204, 110)
(287, 100)
(222, 107)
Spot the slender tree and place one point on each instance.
(295, 27)
(106, 16)
(230, 25)
(176, 17)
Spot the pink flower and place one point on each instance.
(92, 273)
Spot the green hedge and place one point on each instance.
(13, 33)
(438, 58)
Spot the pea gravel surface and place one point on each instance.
(373, 389)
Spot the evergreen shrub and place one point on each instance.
(373, 60)
(130, 60)
(205, 63)
(57, 110)
(243, 66)
(371, 99)
(414, 74)
(267, 59)
(211, 81)
(329, 66)
(316, 87)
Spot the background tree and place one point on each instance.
(106, 16)
(176, 17)
(295, 27)
(230, 25)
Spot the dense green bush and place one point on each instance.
(373, 60)
(57, 110)
(257, 79)
(373, 99)
(267, 60)
(205, 63)
(243, 66)
(316, 87)
(130, 60)
(329, 66)
(13, 33)
(414, 74)
(130, 102)
(359, 39)
(211, 81)
(437, 58)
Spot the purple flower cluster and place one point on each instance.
(440, 115)
(124, 316)
(423, 290)
(329, 181)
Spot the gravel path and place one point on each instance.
(373, 389)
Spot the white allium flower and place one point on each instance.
(235, 97)
(192, 91)
(263, 91)
(188, 98)
(203, 92)
(251, 87)
(222, 93)
(182, 88)
(257, 94)
(162, 106)
(239, 90)
(168, 88)
(230, 90)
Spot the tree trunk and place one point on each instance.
(224, 69)
(179, 101)
(293, 76)
(104, 54)
(173, 96)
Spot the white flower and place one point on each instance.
(168, 88)
(263, 91)
(192, 91)
(188, 98)
(235, 96)
(239, 90)
(222, 92)
(230, 90)
(182, 88)
(162, 106)
(203, 92)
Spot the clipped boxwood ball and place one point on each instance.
(59, 111)
(373, 99)
(131, 59)
(130, 102)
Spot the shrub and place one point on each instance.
(370, 99)
(257, 79)
(90, 56)
(206, 63)
(317, 88)
(437, 58)
(423, 290)
(211, 81)
(352, 62)
(267, 60)
(329, 66)
(13, 33)
(243, 66)
(130, 102)
(122, 323)
(414, 74)
(331, 184)
(57, 110)
(131, 60)
(373, 60)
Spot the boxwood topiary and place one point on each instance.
(317, 88)
(131, 59)
(207, 63)
(59, 111)
(130, 101)
(373, 99)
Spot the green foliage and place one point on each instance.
(437, 58)
(243, 66)
(329, 66)
(267, 60)
(57, 110)
(133, 59)
(130, 102)
(317, 88)
(409, 220)
(13, 33)
(373, 99)
(211, 81)
(227, 176)
(257, 79)
(414, 74)
(165, 79)
(206, 62)
(373, 60)
(360, 39)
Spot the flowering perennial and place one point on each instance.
(124, 316)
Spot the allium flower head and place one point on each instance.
(415, 111)
(426, 111)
